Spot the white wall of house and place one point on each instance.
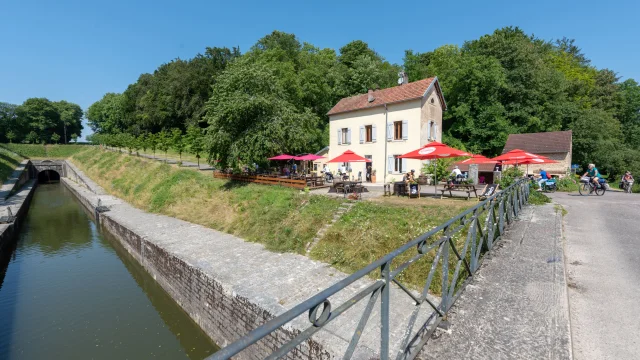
(413, 117)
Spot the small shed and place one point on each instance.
(556, 145)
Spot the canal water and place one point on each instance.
(69, 291)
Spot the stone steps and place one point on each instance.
(343, 209)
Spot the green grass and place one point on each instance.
(373, 229)
(8, 163)
(538, 198)
(282, 219)
(36, 151)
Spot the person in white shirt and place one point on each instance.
(456, 172)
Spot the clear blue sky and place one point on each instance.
(77, 50)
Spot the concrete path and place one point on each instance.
(603, 261)
(516, 307)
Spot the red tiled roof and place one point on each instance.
(411, 91)
(540, 143)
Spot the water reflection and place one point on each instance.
(66, 294)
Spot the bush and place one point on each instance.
(509, 176)
(567, 184)
(538, 198)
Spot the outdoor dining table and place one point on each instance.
(353, 187)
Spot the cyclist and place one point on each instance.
(594, 175)
(627, 178)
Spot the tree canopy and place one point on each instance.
(274, 97)
(38, 119)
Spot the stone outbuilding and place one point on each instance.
(556, 145)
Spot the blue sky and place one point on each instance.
(77, 50)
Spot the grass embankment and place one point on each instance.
(37, 151)
(8, 162)
(373, 229)
(282, 219)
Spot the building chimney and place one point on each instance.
(371, 97)
(405, 78)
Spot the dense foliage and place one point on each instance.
(39, 120)
(274, 98)
(508, 82)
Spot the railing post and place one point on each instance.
(384, 312)
(445, 274)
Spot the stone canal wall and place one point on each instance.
(15, 196)
(229, 286)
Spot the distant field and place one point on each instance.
(37, 151)
(8, 162)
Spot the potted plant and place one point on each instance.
(373, 176)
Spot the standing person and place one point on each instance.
(594, 175)
(368, 175)
(295, 168)
(543, 178)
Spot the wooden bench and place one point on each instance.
(468, 188)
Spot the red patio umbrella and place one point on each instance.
(434, 151)
(477, 159)
(516, 155)
(308, 157)
(349, 157)
(282, 157)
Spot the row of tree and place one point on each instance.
(39, 120)
(274, 98)
(191, 142)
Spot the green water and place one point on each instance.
(69, 291)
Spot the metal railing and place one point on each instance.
(454, 250)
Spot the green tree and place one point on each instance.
(10, 135)
(55, 138)
(70, 118)
(164, 142)
(153, 143)
(195, 141)
(177, 142)
(32, 137)
(74, 137)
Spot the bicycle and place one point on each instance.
(587, 187)
(627, 186)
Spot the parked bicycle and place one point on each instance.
(587, 187)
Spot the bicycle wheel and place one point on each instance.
(600, 191)
(584, 189)
(552, 189)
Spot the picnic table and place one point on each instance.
(468, 188)
(347, 187)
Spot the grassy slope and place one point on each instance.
(35, 151)
(8, 162)
(282, 219)
(373, 229)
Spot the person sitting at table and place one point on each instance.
(286, 171)
(456, 174)
(409, 177)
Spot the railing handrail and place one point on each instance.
(255, 335)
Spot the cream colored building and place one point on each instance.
(385, 124)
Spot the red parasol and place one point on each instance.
(348, 157)
(308, 157)
(516, 155)
(434, 150)
(282, 157)
(477, 159)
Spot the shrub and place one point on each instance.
(567, 184)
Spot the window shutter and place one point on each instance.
(361, 134)
(390, 164)
(339, 136)
(373, 133)
(404, 165)
(405, 130)
(349, 136)
(435, 136)
(429, 130)
(389, 131)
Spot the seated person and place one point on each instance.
(543, 178)
(409, 177)
(627, 178)
(456, 174)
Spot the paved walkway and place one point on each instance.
(603, 263)
(516, 307)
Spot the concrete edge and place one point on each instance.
(17, 178)
(560, 229)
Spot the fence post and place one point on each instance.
(384, 312)
(445, 273)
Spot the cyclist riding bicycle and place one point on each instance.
(594, 175)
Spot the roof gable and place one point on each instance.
(411, 91)
(540, 143)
